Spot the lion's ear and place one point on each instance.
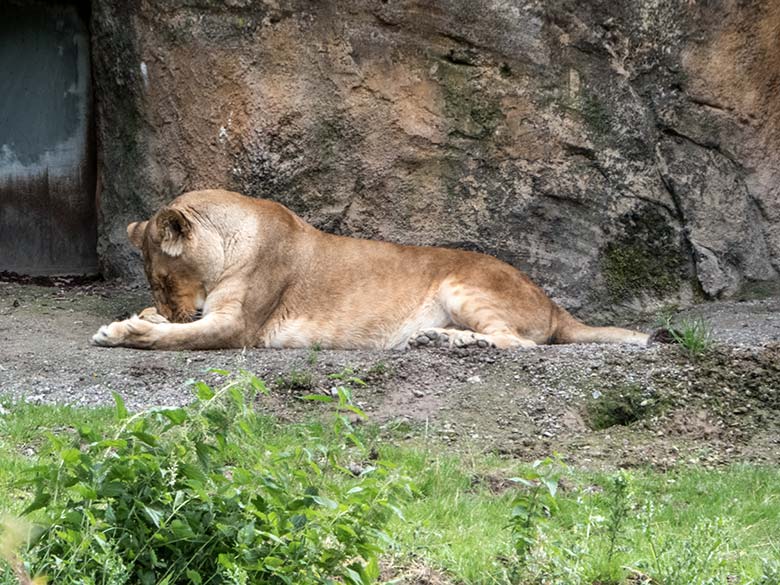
(135, 232)
(174, 229)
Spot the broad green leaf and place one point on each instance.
(147, 438)
(120, 410)
(522, 481)
(111, 443)
(258, 385)
(204, 451)
(111, 489)
(353, 577)
(347, 529)
(203, 391)
(86, 432)
(41, 500)
(237, 396)
(325, 502)
(70, 456)
(397, 511)
(226, 561)
(85, 491)
(176, 415)
(246, 534)
(181, 529)
(372, 570)
(273, 562)
(551, 485)
(272, 537)
(153, 514)
(192, 471)
(356, 410)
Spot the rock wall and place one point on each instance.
(624, 154)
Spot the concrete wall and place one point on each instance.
(47, 176)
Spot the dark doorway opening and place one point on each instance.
(48, 222)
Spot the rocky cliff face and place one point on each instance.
(623, 154)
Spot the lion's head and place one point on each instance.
(182, 257)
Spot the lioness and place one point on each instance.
(260, 276)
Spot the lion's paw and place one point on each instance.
(150, 314)
(449, 338)
(429, 338)
(132, 332)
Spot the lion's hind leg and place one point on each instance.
(478, 316)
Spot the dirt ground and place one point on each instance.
(721, 407)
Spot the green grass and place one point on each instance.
(459, 527)
(23, 430)
(694, 334)
(689, 525)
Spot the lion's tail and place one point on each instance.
(571, 330)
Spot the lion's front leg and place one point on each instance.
(216, 330)
(133, 332)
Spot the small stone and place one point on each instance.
(418, 393)
(482, 343)
(474, 380)
(432, 335)
(423, 340)
(444, 338)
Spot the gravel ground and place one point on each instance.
(721, 407)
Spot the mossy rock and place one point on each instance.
(648, 257)
(621, 406)
(595, 114)
(474, 113)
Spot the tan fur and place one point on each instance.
(263, 277)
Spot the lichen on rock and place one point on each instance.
(647, 258)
